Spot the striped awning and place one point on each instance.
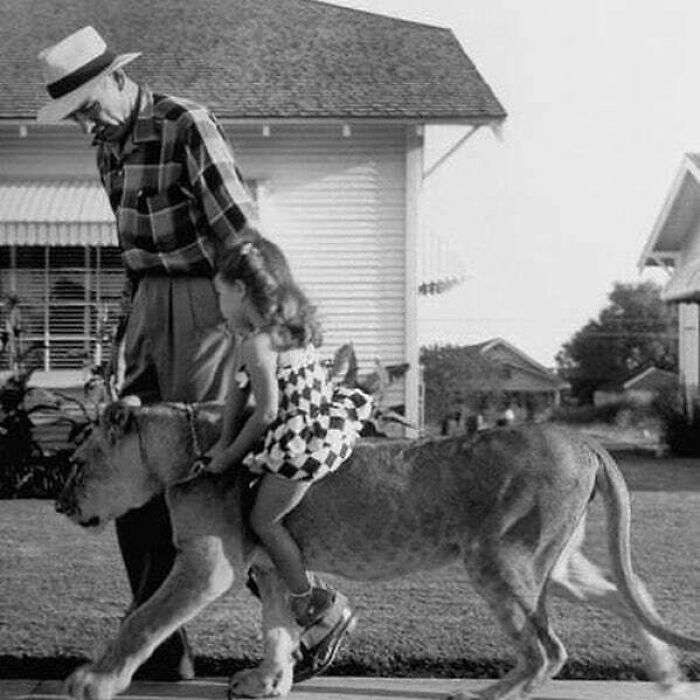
(440, 265)
(56, 213)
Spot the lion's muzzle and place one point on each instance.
(65, 503)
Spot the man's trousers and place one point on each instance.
(175, 349)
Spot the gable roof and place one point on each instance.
(258, 58)
(652, 379)
(678, 215)
(673, 232)
(515, 359)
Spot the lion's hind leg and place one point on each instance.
(514, 587)
(579, 580)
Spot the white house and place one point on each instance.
(674, 244)
(327, 109)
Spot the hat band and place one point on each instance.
(79, 77)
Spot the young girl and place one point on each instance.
(302, 427)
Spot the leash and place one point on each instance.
(201, 460)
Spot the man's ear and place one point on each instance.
(119, 77)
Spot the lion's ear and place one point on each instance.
(344, 370)
(116, 419)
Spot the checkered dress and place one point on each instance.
(316, 427)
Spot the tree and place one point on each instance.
(454, 375)
(636, 330)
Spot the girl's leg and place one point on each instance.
(277, 497)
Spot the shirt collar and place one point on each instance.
(143, 127)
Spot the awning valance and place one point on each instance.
(440, 265)
(56, 213)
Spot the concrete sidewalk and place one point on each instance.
(347, 688)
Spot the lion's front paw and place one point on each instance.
(261, 682)
(88, 684)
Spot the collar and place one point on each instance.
(143, 126)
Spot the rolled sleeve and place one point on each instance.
(215, 180)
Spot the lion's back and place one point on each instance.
(399, 496)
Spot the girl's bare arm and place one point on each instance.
(261, 362)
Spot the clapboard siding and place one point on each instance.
(337, 206)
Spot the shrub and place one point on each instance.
(41, 477)
(27, 470)
(680, 424)
(582, 415)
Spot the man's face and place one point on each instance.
(106, 110)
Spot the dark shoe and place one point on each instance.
(319, 644)
(171, 661)
(310, 608)
(184, 671)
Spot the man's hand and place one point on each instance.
(218, 464)
(215, 462)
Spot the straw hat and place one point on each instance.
(71, 69)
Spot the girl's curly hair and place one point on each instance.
(262, 267)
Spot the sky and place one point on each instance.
(603, 98)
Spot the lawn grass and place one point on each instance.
(62, 592)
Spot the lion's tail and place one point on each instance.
(612, 487)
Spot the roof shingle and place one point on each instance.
(257, 58)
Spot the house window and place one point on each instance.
(69, 296)
(66, 294)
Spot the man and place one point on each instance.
(174, 187)
(178, 200)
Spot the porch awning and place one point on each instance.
(440, 266)
(56, 213)
(684, 286)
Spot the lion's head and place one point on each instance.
(109, 475)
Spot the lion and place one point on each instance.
(509, 503)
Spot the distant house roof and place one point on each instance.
(676, 220)
(258, 59)
(675, 226)
(652, 379)
(501, 352)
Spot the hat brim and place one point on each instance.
(60, 108)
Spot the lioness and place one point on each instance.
(509, 503)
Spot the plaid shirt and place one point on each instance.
(174, 188)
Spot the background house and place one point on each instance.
(674, 245)
(518, 381)
(327, 109)
(641, 389)
(485, 380)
